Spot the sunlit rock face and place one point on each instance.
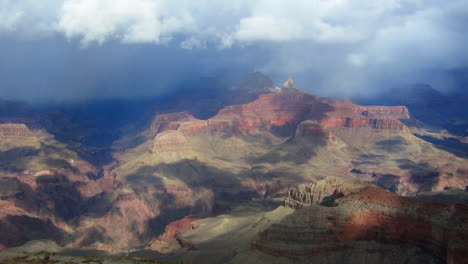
(282, 110)
(315, 193)
(170, 141)
(363, 213)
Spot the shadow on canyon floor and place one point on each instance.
(64, 194)
(16, 159)
(225, 189)
(298, 152)
(451, 145)
(15, 230)
(421, 174)
(369, 159)
(393, 145)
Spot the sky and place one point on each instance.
(82, 49)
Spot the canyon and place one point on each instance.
(287, 174)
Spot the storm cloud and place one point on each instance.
(86, 48)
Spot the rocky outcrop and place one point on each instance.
(347, 108)
(15, 130)
(357, 122)
(171, 232)
(369, 213)
(314, 193)
(179, 226)
(172, 121)
(289, 85)
(170, 141)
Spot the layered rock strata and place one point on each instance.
(170, 141)
(15, 130)
(286, 111)
(366, 213)
(314, 193)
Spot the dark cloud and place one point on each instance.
(71, 49)
(54, 69)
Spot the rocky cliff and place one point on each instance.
(365, 213)
(319, 192)
(281, 111)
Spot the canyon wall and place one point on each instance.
(365, 213)
(287, 111)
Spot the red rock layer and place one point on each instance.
(310, 127)
(164, 122)
(170, 141)
(179, 226)
(172, 231)
(356, 122)
(348, 109)
(268, 111)
(285, 109)
(15, 130)
(369, 213)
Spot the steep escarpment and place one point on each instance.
(366, 213)
(280, 112)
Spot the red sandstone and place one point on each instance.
(286, 108)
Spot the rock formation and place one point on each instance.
(366, 213)
(314, 193)
(170, 236)
(281, 110)
(170, 141)
(15, 130)
(289, 85)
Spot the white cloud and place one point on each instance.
(9, 19)
(28, 17)
(267, 28)
(98, 21)
(218, 22)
